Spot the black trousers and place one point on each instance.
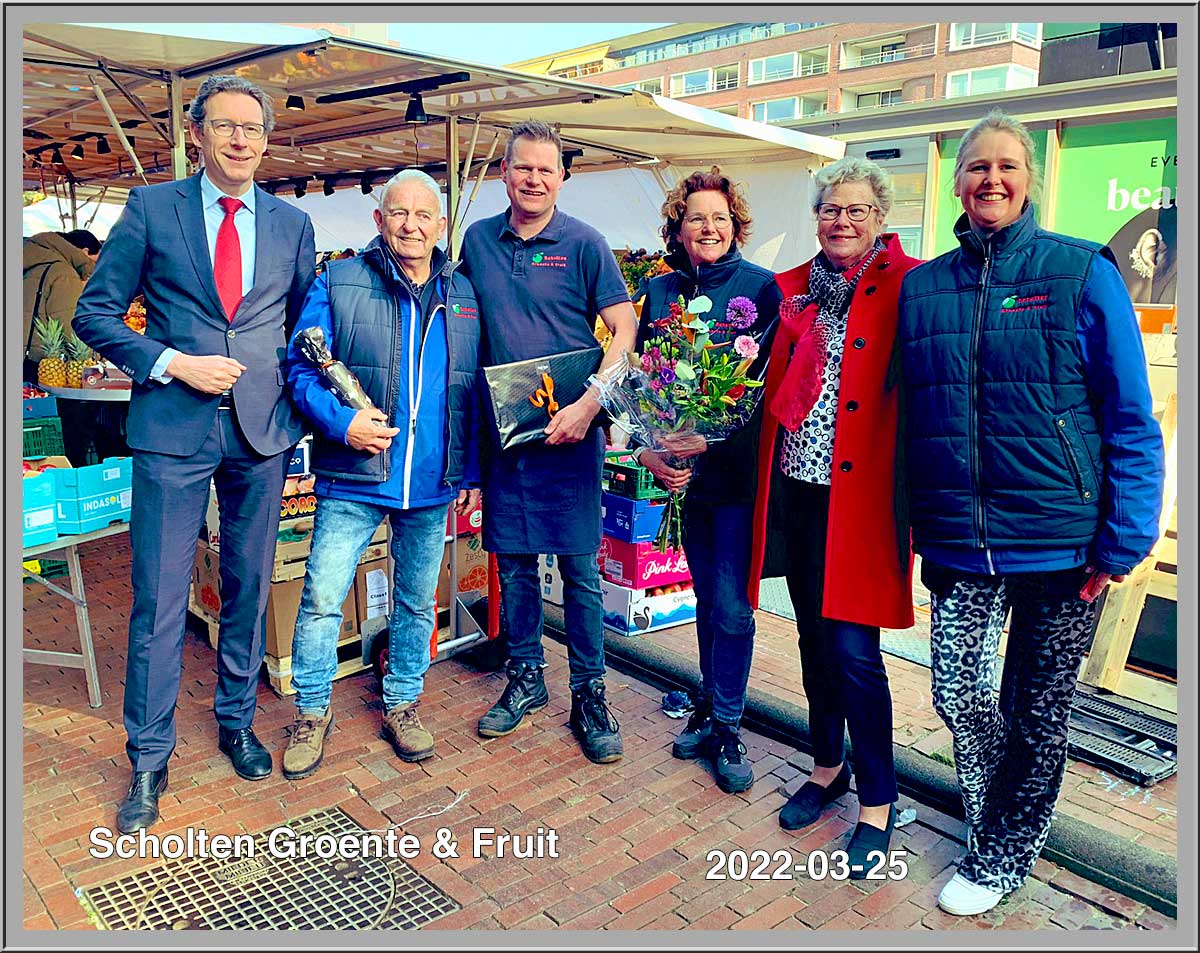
(840, 662)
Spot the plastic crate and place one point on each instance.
(631, 481)
(42, 437)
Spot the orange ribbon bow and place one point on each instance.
(544, 396)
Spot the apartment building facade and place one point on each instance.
(781, 72)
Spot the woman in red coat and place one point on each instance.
(825, 511)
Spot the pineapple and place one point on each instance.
(79, 355)
(51, 338)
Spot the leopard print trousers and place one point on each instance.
(1010, 753)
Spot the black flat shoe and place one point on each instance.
(805, 805)
(862, 854)
(139, 808)
(250, 759)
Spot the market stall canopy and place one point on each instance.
(355, 111)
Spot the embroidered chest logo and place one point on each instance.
(1015, 304)
(541, 260)
(465, 311)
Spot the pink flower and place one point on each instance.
(647, 362)
(746, 346)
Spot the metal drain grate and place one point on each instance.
(271, 893)
(1149, 726)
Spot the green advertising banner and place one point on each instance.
(1117, 185)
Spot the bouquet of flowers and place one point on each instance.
(685, 385)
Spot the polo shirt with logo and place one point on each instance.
(541, 296)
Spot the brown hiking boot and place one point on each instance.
(402, 727)
(306, 747)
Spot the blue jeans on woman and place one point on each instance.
(716, 539)
(342, 531)
(583, 609)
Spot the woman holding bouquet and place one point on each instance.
(825, 512)
(1035, 469)
(706, 219)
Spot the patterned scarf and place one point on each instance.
(809, 320)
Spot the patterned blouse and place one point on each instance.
(807, 453)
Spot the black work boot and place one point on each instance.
(692, 741)
(734, 773)
(594, 725)
(526, 693)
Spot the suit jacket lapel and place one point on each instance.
(264, 247)
(190, 210)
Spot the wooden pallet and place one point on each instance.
(350, 662)
(1106, 664)
(291, 557)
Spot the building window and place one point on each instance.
(879, 99)
(966, 35)
(689, 84)
(652, 86)
(776, 110)
(718, 39)
(770, 68)
(989, 79)
(725, 77)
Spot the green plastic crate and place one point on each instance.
(42, 437)
(631, 481)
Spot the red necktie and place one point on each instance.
(227, 262)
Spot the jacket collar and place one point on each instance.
(379, 258)
(552, 232)
(709, 275)
(1002, 243)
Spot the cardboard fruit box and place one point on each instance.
(633, 611)
(39, 517)
(633, 521)
(91, 497)
(639, 565)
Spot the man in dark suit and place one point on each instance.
(224, 268)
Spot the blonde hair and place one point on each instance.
(854, 169)
(999, 121)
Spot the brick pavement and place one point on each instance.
(633, 836)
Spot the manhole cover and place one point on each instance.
(268, 892)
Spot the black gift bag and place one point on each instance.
(523, 396)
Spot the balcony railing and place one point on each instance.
(854, 61)
(725, 82)
(887, 105)
(715, 42)
(809, 69)
(1008, 35)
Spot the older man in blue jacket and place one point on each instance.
(406, 323)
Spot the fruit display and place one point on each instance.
(51, 338)
(79, 356)
(135, 317)
(29, 467)
(639, 264)
(29, 392)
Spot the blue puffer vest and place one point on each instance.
(367, 339)
(1002, 439)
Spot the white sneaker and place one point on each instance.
(963, 898)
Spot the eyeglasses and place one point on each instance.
(856, 213)
(698, 221)
(224, 128)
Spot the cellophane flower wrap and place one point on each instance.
(685, 385)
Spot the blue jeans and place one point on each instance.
(342, 531)
(716, 539)
(521, 602)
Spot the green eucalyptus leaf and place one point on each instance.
(684, 371)
(701, 305)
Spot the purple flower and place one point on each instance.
(741, 312)
(746, 346)
(668, 375)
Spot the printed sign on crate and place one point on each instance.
(634, 521)
(92, 497)
(639, 565)
(633, 611)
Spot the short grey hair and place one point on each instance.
(535, 131)
(421, 178)
(853, 169)
(999, 121)
(198, 111)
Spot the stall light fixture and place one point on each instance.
(415, 113)
(365, 185)
(328, 187)
(295, 103)
(301, 187)
(57, 158)
(102, 146)
(77, 152)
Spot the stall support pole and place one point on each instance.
(453, 192)
(178, 140)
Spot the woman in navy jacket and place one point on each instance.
(1035, 473)
(707, 218)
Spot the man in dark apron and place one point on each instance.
(547, 275)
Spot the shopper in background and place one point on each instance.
(825, 513)
(707, 218)
(402, 298)
(1035, 470)
(208, 404)
(547, 275)
(55, 266)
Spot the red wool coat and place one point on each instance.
(864, 581)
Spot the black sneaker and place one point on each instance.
(734, 773)
(693, 740)
(594, 725)
(526, 694)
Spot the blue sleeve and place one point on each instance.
(1132, 448)
(472, 468)
(310, 391)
